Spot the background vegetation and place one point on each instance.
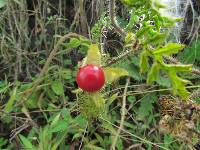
(44, 42)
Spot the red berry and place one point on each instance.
(90, 78)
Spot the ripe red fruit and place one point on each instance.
(90, 78)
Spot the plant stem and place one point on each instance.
(113, 19)
(122, 116)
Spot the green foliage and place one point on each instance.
(2, 3)
(60, 116)
(146, 106)
(191, 54)
(97, 29)
(57, 87)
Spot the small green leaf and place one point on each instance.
(133, 19)
(153, 73)
(59, 138)
(90, 146)
(2, 3)
(56, 119)
(113, 74)
(33, 100)
(157, 39)
(10, 102)
(146, 106)
(144, 65)
(57, 87)
(111, 99)
(157, 5)
(171, 48)
(143, 31)
(26, 143)
(66, 74)
(129, 37)
(93, 55)
(61, 125)
(74, 43)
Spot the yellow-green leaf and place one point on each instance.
(113, 74)
(129, 38)
(57, 87)
(144, 65)
(93, 55)
(179, 85)
(10, 102)
(143, 31)
(153, 73)
(178, 68)
(157, 39)
(171, 48)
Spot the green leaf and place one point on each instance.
(10, 102)
(66, 74)
(33, 100)
(56, 119)
(129, 37)
(93, 55)
(163, 81)
(143, 31)
(171, 48)
(157, 39)
(168, 139)
(133, 19)
(57, 87)
(59, 138)
(146, 106)
(191, 53)
(111, 99)
(157, 5)
(26, 143)
(61, 125)
(144, 65)
(153, 73)
(2, 3)
(90, 146)
(178, 68)
(113, 74)
(74, 43)
(178, 85)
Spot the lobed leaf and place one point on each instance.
(113, 74)
(93, 55)
(171, 48)
(143, 31)
(153, 73)
(157, 39)
(144, 65)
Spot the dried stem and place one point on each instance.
(122, 116)
(50, 58)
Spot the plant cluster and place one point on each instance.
(107, 100)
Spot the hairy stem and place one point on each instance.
(113, 19)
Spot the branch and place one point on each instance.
(122, 116)
(113, 19)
